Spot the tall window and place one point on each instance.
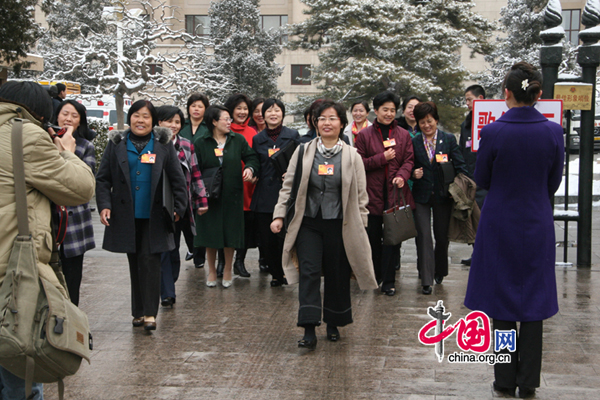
(301, 75)
(197, 25)
(570, 24)
(154, 69)
(274, 21)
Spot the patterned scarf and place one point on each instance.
(430, 146)
(355, 129)
(274, 133)
(328, 153)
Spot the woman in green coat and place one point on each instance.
(223, 225)
(195, 126)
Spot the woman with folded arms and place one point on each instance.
(327, 231)
(222, 227)
(266, 144)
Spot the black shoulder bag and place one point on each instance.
(291, 202)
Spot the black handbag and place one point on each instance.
(168, 205)
(282, 158)
(446, 174)
(213, 182)
(398, 222)
(291, 202)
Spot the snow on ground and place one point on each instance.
(574, 178)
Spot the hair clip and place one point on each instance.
(525, 84)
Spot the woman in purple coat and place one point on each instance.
(520, 161)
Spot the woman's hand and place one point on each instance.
(248, 175)
(277, 225)
(177, 217)
(105, 216)
(66, 142)
(398, 181)
(418, 173)
(389, 154)
(202, 210)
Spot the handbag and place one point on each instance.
(168, 205)
(43, 336)
(282, 158)
(213, 182)
(290, 210)
(446, 173)
(398, 222)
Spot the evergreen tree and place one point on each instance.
(18, 31)
(406, 46)
(245, 53)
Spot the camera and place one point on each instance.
(59, 132)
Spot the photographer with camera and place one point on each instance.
(53, 173)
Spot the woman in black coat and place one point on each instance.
(129, 193)
(432, 148)
(268, 142)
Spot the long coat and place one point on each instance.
(354, 206)
(49, 176)
(268, 186)
(113, 192)
(429, 185)
(520, 162)
(223, 224)
(381, 172)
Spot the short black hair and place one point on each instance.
(270, 103)
(235, 100)
(137, 106)
(477, 90)
(515, 79)
(255, 103)
(194, 98)
(61, 87)
(310, 111)
(408, 99)
(339, 108)
(384, 97)
(213, 113)
(363, 103)
(422, 110)
(30, 95)
(80, 108)
(166, 113)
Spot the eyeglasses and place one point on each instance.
(226, 119)
(330, 119)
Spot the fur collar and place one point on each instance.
(162, 135)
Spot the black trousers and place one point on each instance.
(171, 261)
(72, 268)
(432, 261)
(525, 365)
(185, 227)
(271, 244)
(385, 258)
(144, 271)
(321, 251)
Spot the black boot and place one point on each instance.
(220, 263)
(238, 266)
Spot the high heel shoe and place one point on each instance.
(307, 344)
(211, 283)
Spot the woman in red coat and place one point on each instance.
(239, 106)
(387, 152)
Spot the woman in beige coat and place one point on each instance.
(327, 231)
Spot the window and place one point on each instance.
(154, 69)
(274, 21)
(197, 25)
(570, 24)
(301, 75)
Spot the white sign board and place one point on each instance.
(487, 111)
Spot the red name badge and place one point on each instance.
(441, 158)
(272, 151)
(148, 158)
(389, 143)
(326, 169)
(219, 152)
